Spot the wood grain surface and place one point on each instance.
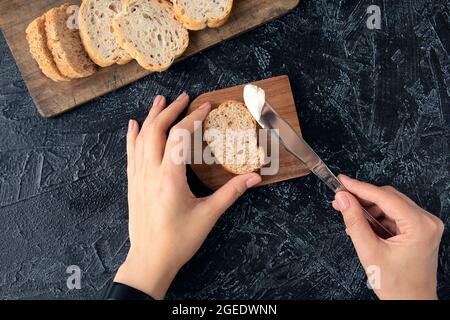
(279, 94)
(53, 98)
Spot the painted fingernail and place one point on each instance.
(253, 181)
(182, 96)
(204, 106)
(342, 201)
(157, 100)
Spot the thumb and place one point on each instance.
(223, 198)
(357, 227)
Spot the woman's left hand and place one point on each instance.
(167, 223)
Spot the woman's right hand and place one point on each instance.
(406, 264)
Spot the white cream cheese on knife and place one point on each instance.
(254, 98)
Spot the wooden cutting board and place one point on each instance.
(279, 94)
(53, 98)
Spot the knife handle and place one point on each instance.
(324, 173)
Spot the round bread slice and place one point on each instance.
(37, 41)
(199, 14)
(65, 44)
(150, 33)
(97, 34)
(231, 134)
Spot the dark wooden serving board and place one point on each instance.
(53, 98)
(279, 94)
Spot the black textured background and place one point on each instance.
(374, 104)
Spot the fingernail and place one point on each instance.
(340, 176)
(342, 201)
(130, 125)
(204, 106)
(253, 181)
(334, 204)
(157, 100)
(181, 96)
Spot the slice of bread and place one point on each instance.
(231, 134)
(199, 14)
(65, 44)
(97, 34)
(150, 33)
(37, 41)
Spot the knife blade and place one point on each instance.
(300, 149)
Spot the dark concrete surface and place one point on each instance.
(373, 103)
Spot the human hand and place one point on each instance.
(167, 223)
(408, 261)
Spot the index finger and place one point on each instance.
(168, 116)
(155, 129)
(391, 203)
(183, 131)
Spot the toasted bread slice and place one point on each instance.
(150, 33)
(37, 41)
(199, 14)
(97, 34)
(231, 134)
(65, 44)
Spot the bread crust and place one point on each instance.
(124, 58)
(195, 25)
(65, 60)
(37, 41)
(120, 56)
(134, 53)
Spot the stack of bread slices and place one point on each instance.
(68, 43)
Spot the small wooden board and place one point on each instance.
(53, 98)
(279, 94)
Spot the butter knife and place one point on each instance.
(300, 149)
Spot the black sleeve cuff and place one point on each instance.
(119, 291)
